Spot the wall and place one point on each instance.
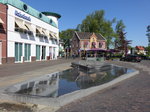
(3, 32)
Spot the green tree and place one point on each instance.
(120, 27)
(120, 35)
(148, 34)
(66, 37)
(95, 22)
(148, 50)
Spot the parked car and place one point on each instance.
(134, 58)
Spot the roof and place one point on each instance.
(140, 47)
(87, 35)
(52, 14)
(29, 10)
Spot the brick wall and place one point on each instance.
(3, 31)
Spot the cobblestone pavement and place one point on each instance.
(20, 68)
(130, 95)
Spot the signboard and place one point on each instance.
(23, 16)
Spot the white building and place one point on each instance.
(30, 34)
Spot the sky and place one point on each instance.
(134, 13)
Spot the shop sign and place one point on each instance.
(23, 16)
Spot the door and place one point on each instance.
(0, 52)
(54, 53)
(38, 52)
(27, 52)
(18, 52)
(43, 52)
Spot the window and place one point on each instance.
(93, 45)
(100, 44)
(40, 15)
(85, 44)
(25, 7)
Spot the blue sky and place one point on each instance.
(134, 13)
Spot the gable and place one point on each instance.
(87, 35)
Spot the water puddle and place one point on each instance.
(60, 83)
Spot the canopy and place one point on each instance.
(1, 21)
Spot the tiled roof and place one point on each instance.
(87, 35)
(140, 47)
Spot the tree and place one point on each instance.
(147, 50)
(95, 22)
(66, 37)
(148, 34)
(121, 43)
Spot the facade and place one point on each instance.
(140, 50)
(26, 34)
(85, 41)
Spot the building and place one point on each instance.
(84, 42)
(140, 50)
(61, 48)
(26, 34)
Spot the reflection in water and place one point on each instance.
(56, 84)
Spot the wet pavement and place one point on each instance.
(130, 95)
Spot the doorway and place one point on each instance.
(38, 52)
(27, 52)
(43, 52)
(18, 52)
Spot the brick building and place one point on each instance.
(3, 33)
(87, 42)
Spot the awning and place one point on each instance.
(97, 49)
(20, 24)
(29, 27)
(44, 32)
(55, 36)
(1, 21)
(39, 30)
(50, 35)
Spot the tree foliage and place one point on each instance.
(148, 34)
(95, 22)
(120, 35)
(66, 36)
